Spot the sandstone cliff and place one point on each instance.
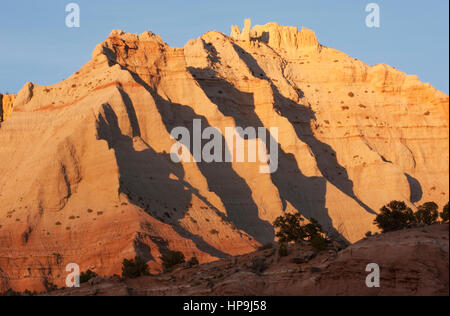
(86, 175)
(6, 105)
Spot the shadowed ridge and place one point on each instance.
(323, 153)
(144, 175)
(288, 177)
(246, 219)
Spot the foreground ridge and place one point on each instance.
(412, 262)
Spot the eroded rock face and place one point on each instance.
(6, 105)
(280, 38)
(86, 175)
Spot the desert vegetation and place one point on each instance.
(444, 214)
(283, 250)
(292, 228)
(397, 215)
(134, 268)
(193, 262)
(11, 292)
(86, 276)
(172, 259)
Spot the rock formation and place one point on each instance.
(86, 175)
(280, 38)
(6, 105)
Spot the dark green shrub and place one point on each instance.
(193, 262)
(171, 259)
(86, 276)
(318, 242)
(283, 250)
(394, 216)
(444, 214)
(10, 293)
(134, 268)
(290, 229)
(312, 229)
(50, 287)
(427, 213)
(29, 293)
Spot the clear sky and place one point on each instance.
(36, 45)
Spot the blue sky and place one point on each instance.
(37, 46)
